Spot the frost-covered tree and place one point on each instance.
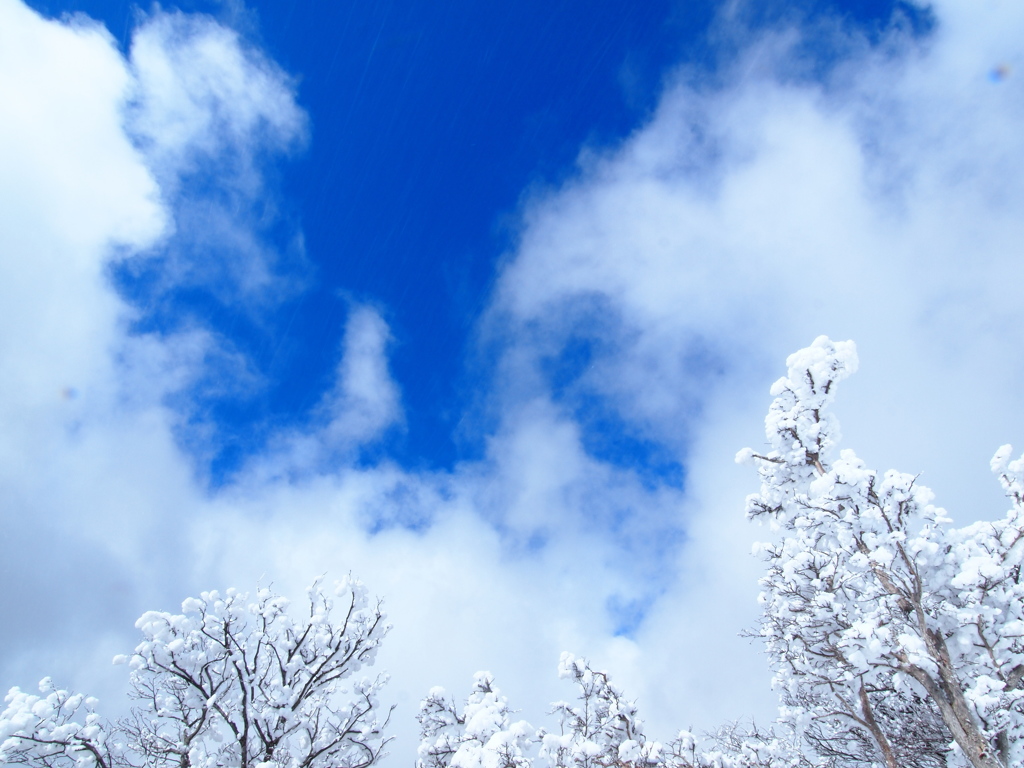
(734, 746)
(57, 729)
(227, 682)
(891, 632)
(481, 736)
(915, 731)
(600, 729)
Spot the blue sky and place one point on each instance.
(429, 124)
(479, 303)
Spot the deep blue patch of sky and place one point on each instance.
(607, 436)
(429, 120)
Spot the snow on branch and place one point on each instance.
(892, 634)
(227, 682)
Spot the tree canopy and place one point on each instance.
(228, 681)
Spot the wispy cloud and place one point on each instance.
(208, 110)
(361, 406)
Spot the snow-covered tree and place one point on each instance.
(600, 729)
(481, 736)
(57, 729)
(227, 682)
(891, 633)
(917, 736)
(734, 746)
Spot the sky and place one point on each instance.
(478, 303)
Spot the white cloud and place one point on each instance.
(363, 404)
(741, 222)
(209, 110)
(365, 400)
(72, 185)
(789, 217)
(95, 487)
(201, 93)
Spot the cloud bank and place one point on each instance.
(649, 303)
